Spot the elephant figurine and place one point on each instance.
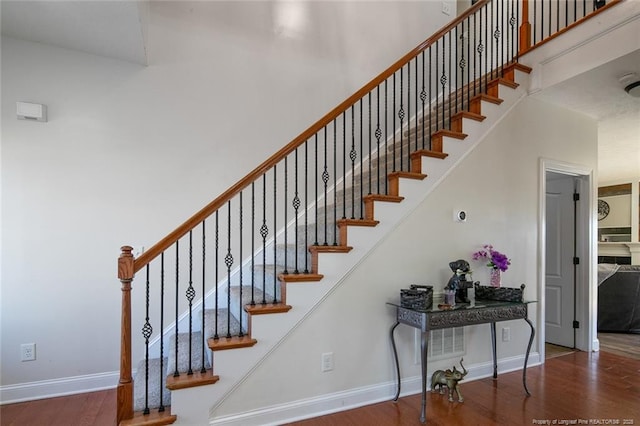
(449, 379)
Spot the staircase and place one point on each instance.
(367, 175)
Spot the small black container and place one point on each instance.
(505, 294)
(417, 297)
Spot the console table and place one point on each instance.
(481, 312)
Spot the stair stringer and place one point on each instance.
(201, 405)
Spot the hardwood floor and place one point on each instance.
(578, 386)
(597, 388)
(625, 344)
(85, 409)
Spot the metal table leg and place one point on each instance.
(526, 357)
(424, 345)
(395, 357)
(493, 347)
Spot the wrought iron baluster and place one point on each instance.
(325, 181)
(275, 227)
(361, 156)
(378, 134)
(190, 293)
(393, 169)
(215, 282)
(335, 170)
(296, 206)
(423, 98)
(370, 153)
(228, 261)
(147, 331)
(241, 281)
(443, 82)
(315, 243)
(415, 121)
(352, 157)
(284, 198)
(204, 262)
(264, 232)
(431, 94)
(306, 203)
(344, 166)
(253, 243)
(457, 83)
(436, 75)
(401, 116)
(161, 408)
(386, 137)
(175, 372)
(449, 78)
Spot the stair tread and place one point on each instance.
(408, 175)
(185, 380)
(357, 222)
(300, 277)
(154, 418)
(234, 342)
(451, 134)
(383, 197)
(470, 115)
(268, 308)
(429, 153)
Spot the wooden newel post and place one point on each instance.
(525, 28)
(125, 385)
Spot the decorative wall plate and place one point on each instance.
(603, 209)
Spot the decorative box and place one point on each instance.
(417, 297)
(504, 294)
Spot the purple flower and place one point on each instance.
(496, 260)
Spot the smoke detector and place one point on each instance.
(631, 84)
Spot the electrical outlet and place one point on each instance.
(327, 362)
(446, 8)
(28, 352)
(506, 334)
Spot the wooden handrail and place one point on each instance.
(210, 208)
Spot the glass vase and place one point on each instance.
(495, 277)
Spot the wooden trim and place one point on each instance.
(608, 191)
(569, 27)
(201, 215)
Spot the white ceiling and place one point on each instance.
(599, 94)
(117, 29)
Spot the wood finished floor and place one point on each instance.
(593, 387)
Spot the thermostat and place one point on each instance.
(30, 111)
(460, 215)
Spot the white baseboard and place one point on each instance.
(358, 397)
(58, 387)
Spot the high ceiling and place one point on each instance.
(118, 29)
(600, 94)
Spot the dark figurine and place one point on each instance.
(449, 379)
(458, 281)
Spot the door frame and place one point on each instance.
(586, 249)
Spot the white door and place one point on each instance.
(560, 252)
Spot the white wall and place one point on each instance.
(498, 184)
(130, 152)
